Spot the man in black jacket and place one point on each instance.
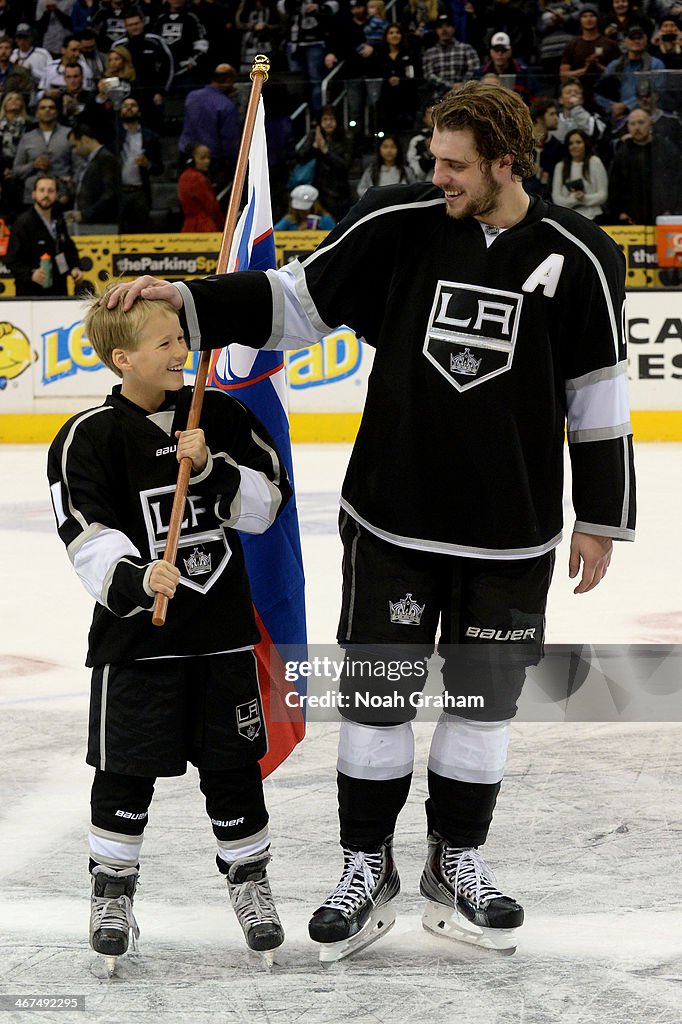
(97, 189)
(39, 232)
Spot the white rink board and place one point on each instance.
(64, 374)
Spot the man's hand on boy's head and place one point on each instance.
(144, 287)
(192, 445)
(163, 579)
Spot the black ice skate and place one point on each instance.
(250, 895)
(465, 902)
(358, 911)
(111, 912)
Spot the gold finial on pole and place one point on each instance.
(261, 66)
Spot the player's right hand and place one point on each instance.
(164, 578)
(146, 287)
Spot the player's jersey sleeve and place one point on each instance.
(341, 283)
(106, 561)
(245, 476)
(594, 362)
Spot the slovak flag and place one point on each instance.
(273, 559)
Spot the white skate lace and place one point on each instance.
(113, 913)
(359, 879)
(472, 876)
(253, 903)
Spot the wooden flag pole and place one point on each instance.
(259, 75)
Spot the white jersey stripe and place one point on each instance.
(600, 274)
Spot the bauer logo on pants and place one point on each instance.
(248, 719)
(471, 332)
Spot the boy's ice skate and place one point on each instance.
(111, 912)
(358, 911)
(247, 882)
(465, 902)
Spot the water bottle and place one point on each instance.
(46, 267)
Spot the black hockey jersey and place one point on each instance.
(483, 352)
(112, 473)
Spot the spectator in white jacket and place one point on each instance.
(580, 181)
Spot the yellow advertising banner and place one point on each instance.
(184, 256)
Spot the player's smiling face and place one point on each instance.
(470, 184)
(156, 365)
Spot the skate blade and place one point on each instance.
(448, 924)
(267, 958)
(111, 963)
(380, 921)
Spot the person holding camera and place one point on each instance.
(580, 181)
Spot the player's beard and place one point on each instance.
(481, 203)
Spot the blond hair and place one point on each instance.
(109, 329)
(498, 119)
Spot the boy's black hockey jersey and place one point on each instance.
(113, 471)
(482, 354)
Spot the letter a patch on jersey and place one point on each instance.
(546, 275)
(471, 333)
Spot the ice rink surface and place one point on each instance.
(587, 833)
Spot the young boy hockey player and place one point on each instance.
(188, 691)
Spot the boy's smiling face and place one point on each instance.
(156, 365)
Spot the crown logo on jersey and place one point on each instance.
(198, 563)
(406, 611)
(465, 363)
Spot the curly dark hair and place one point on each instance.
(499, 121)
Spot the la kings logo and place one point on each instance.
(249, 721)
(471, 334)
(203, 551)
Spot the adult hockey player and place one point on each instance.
(495, 318)
(189, 691)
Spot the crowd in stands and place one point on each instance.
(136, 110)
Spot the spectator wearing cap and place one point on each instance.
(616, 90)
(587, 56)
(515, 17)
(27, 55)
(211, 117)
(449, 61)
(512, 73)
(305, 212)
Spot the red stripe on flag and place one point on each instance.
(289, 729)
(252, 380)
